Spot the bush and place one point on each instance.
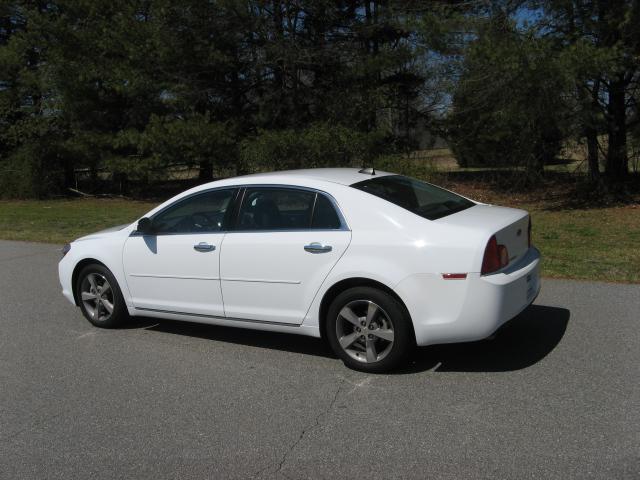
(402, 164)
(30, 173)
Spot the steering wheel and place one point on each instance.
(196, 222)
(200, 221)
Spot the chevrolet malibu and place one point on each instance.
(375, 263)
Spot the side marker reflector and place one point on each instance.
(454, 276)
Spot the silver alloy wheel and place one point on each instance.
(364, 331)
(97, 297)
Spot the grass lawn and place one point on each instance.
(60, 221)
(591, 244)
(594, 244)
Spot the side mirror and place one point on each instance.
(145, 226)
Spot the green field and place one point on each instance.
(594, 244)
(60, 221)
(591, 244)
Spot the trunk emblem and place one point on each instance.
(519, 232)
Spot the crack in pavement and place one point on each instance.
(306, 429)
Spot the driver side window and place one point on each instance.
(200, 213)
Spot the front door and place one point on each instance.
(177, 269)
(284, 245)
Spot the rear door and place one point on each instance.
(285, 242)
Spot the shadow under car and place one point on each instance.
(518, 344)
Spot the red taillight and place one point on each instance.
(529, 231)
(495, 257)
(491, 260)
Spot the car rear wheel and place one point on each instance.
(369, 329)
(100, 298)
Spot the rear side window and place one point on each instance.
(276, 209)
(325, 216)
(421, 198)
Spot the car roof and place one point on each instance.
(343, 176)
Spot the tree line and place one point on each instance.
(224, 87)
(571, 73)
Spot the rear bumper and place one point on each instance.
(448, 311)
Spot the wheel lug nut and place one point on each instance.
(370, 337)
(363, 323)
(357, 329)
(362, 337)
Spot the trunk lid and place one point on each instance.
(509, 225)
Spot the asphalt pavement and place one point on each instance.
(555, 395)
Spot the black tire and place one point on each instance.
(113, 295)
(391, 315)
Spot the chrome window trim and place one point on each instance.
(344, 226)
(291, 230)
(239, 197)
(136, 233)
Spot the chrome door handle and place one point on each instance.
(317, 247)
(204, 247)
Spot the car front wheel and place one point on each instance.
(100, 298)
(369, 329)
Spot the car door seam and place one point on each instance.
(224, 236)
(129, 300)
(325, 278)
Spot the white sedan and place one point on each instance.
(373, 262)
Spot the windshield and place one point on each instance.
(421, 198)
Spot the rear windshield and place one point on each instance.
(421, 198)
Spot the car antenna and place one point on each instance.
(369, 171)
